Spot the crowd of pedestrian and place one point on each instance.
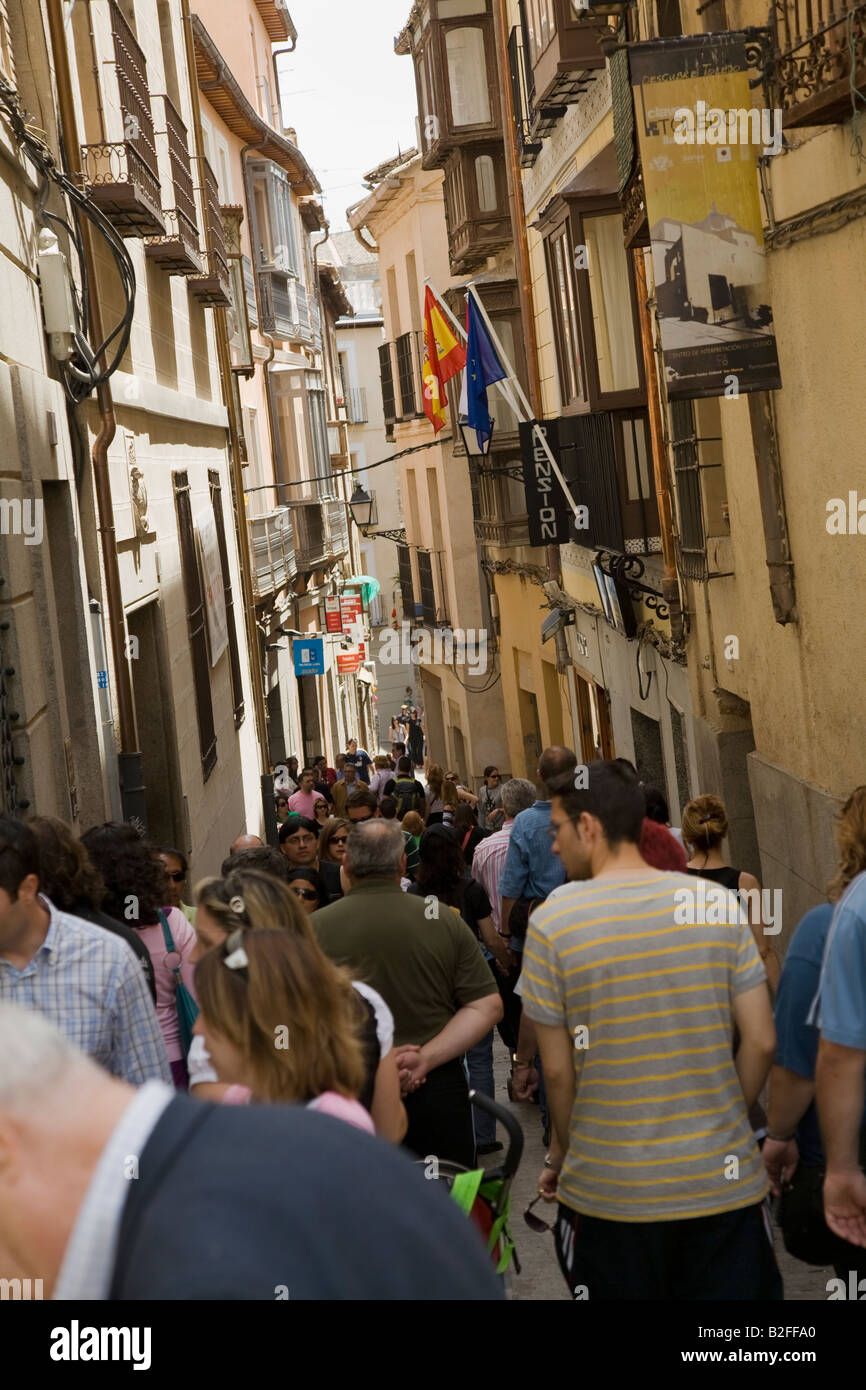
(359, 967)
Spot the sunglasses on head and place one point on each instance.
(308, 894)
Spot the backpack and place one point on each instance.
(406, 795)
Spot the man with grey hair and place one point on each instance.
(426, 963)
(488, 863)
(101, 1194)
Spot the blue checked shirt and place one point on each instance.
(91, 986)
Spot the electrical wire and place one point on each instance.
(81, 373)
(355, 472)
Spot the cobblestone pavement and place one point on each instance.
(540, 1277)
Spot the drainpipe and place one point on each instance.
(521, 245)
(235, 431)
(670, 582)
(129, 759)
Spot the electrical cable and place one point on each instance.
(355, 472)
(81, 374)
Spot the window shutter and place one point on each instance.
(196, 623)
(234, 652)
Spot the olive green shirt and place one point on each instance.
(425, 966)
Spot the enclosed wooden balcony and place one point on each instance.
(820, 54)
(178, 251)
(122, 176)
(563, 51)
(273, 550)
(476, 206)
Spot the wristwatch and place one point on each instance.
(515, 1061)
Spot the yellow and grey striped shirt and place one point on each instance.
(659, 1129)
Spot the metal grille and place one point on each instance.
(386, 374)
(211, 199)
(528, 147)
(692, 536)
(428, 591)
(196, 624)
(134, 96)
(181, 172)
(407, 593)
(406, 374)
(817, 43)
(623, 114)
(234, 653)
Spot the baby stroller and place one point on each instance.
(485, 1194)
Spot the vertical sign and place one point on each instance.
(699, 140)
(333, 621)
(548, 511)
(350, 610)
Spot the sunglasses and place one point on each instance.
(177, 877)
(339, 839)
(534, 1222)
(308, 894)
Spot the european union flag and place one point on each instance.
(483, 368)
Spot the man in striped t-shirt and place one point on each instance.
(636, 980)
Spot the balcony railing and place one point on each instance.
(817, 44)
(563, 52)
(528, 147)
(214, 286)
(272, 543)
(605, 458)
(122, 177)
(178, 251)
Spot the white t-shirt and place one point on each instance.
(198, 1059)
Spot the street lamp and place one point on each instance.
(469, 435)
(363, 509)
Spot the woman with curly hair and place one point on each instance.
(135, 891)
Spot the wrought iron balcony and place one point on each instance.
(820, 56)
(476, 206)
(122, 176)
(213, 288)
(178, 251)
(272, 544)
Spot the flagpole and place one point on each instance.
(536, 430)
(504, 386)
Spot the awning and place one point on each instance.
(368, 582)
(555, 622)
(227, 99)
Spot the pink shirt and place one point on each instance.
(183, 936)
(328, 1103)
(304, 802)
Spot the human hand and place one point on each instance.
(411, 1068)
(845, 1205)
(781, 1157)
(547, 1184)
(524, 1083)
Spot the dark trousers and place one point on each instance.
(509, 1026)
(440, 1116)
(726, 1256)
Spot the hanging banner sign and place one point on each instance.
(309, 654)
(549, 513)
(350, 609)
(332, 615)
(700, 138)
(214, 591)
(348, 663)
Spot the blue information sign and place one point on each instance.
(309, 656)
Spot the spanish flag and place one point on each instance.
(443, 358)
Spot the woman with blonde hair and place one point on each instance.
(704, 827)
(248, 903)
(435, 785)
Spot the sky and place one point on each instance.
(348, 95)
